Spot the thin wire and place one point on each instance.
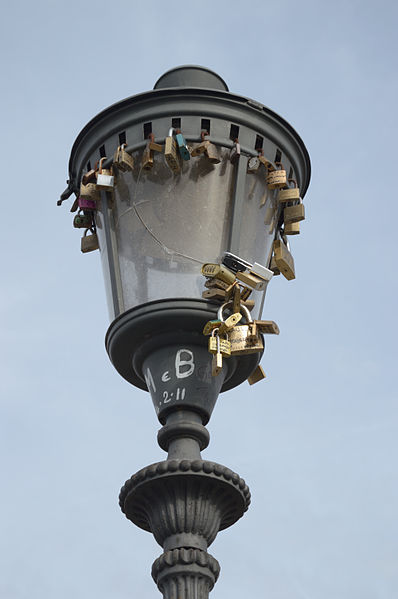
(151, 233)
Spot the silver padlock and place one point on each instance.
(105, 178)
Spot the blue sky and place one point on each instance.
(316, 441)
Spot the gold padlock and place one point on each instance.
(89, 243)
(252, 280)
(89, 192)
(105, 178)
(89, 177)
(291, 229)
(214, 294)
(276, 178)
(218, 271)
(155, 147)
(242, 344)
(210, 283)
(290, 194)
(172, 154)
(213, 153)
(283, 259)
(294, 214)
(265, 162)
(123, 160)
(202, 146)
(267, 327)
(257, 375)
(147, 157)
(227, 325)
(217, 344)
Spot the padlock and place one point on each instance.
(210, 283)
(216, 364)
(82, 221)
(234, 154)
(291, 229)
(89, 243)
(290, 194)
(216, 343)
(261, 271)
(214, 294)
(155, 147)
(147, 157)
(228, 324)
(86, 204)
(182, 146)
(252, 280)
(89, 177)
(283, 259)
(266, 163)
(253, 164)
(105, 178)
(218, 271)
(257, 375)
(276, 178)
(213, 153)
(235, 263)
(267, 327)
(123, 160)
(241, 338)
(210, 326)
(202, 146)
(171, 153)
(294, 214)
(89, 192)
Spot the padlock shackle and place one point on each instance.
(100, 164)
(243, 309)
(171, 131)
(293, 181)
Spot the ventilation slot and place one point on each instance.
(259, 143)
(102, 151)
(89, 166)
(122, 138)
(290, 175)
(147, 130)
(176, 123)
(205, 125)
(234, 132)
(278, 156)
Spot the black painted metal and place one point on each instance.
(135, 335)
(186, 99)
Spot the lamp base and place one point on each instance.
(141, 331)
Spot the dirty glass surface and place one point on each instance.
(163, 227)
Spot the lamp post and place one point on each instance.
(167, 181)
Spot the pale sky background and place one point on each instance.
(317, 441)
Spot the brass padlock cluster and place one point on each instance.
(293, 213)
(231, 283)
(228, 337)
(293, 208)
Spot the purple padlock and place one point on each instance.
(86, 204)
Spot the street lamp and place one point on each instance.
(190, 192)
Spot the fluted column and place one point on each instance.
(184, 501)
